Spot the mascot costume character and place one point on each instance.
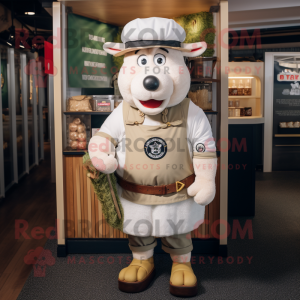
(160, 145)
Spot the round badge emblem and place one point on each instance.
(200, 147)
(155, 148)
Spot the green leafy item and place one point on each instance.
(194, 25)
(102, 190)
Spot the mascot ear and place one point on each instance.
(113, 48)
(196, 49)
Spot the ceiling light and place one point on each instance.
(30, 13)
(12, 31)
(9, 40)
(292, 64)
(11, 35)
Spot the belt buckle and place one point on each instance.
(179, 186)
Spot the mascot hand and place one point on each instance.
(203, 191)
(102, 155)
(204, 188)
(104, 163)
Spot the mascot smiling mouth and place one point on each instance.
(152, 103)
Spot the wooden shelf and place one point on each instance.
(69, 151)
(287, 145)
(246, 117)
(246, 120)
(287, 135)
(87, 113)
(243, 97)
(198, 80)
(108, 11)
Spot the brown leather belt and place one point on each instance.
(156, 189)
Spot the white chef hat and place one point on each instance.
(153, 33)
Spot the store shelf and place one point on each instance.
(288, 131)
(210, 112)
(287, 145)
(246, 120)
(69, 151)
(287, 135)
(197, 80)
(87, 113)
(243, 97)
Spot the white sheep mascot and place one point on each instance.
(160, 144)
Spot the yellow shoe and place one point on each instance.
(137, 276)
(183, 281)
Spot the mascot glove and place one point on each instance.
(102, 155)
(204, 188)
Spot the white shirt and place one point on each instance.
(161, 220)
(198, 131)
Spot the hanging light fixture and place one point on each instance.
(11, 35)
(11, 29)
(21, 35)
(292, 62)
(9, 41)
(33, 46)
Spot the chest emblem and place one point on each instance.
(200, 147)
(155, 148)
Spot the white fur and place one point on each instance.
(143, 255)
(173, 76)
(201, 46)
(204, 188)
(113, 48)
(101, 148)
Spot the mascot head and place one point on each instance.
(154, 75)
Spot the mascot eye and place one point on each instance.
(142, 60)
(159, 59)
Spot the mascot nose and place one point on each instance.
(151, 83)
